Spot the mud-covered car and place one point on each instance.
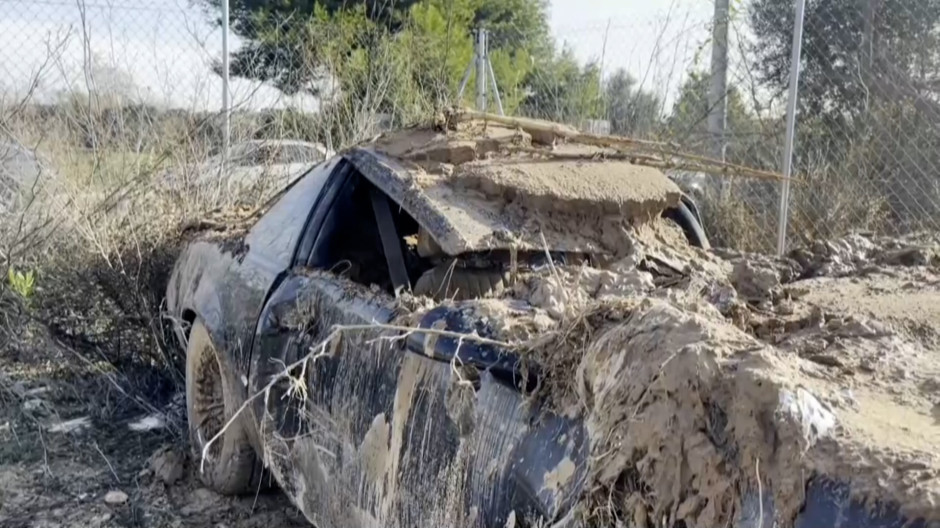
(367, 428)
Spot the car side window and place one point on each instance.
(275, 235)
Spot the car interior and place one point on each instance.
(367, 238)
(354, 243)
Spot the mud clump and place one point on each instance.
(706, 378)
(167, 465)
(691, 426)
(860, 254)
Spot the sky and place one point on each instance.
(163, 49)
(654, 40)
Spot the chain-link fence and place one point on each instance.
(140, 51)
(658, 83)
(868, 137)
(137, 72)
(865, 152)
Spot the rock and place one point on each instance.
(100, 520)
(32, 405)
(71, 426)
(827, 360)
(115, 497)
(910, 256)
(754, 281)
(167, 465)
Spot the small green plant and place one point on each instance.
(22, 283)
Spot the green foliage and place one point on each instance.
(23, 284)
(298, 45)
(631, 110)
(752, 141)
(853, 50)
(513, 22)
(560, 89)
(287, 41)
(868, 95)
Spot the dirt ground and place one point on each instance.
(82, 445)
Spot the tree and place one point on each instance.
(514, 24)
(750, 140)
(631, 110)
(853, 51)
(295, 44)
(869, 91)
(560, 89)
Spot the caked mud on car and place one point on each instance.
(300, 366)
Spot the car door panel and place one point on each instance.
(384, 435)
(299, 315)
(333, 450)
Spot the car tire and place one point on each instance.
(686, 219)
(446, 281)
(231, 466)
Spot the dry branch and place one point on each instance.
(651, 153)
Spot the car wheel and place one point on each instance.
(230, 465)
(683, 216)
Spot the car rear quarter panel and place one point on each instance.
(225, 288)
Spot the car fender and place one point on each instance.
(191, 294)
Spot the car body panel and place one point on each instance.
(385, 430)
(225, 281)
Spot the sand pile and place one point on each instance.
(706, 380)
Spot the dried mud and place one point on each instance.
(705, 377)
(498, 187)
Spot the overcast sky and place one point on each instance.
(163, 48)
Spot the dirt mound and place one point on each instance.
(709, 380)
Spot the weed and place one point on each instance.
(23, 284)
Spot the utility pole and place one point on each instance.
(226, 102)
(484, 69)
(797, 51)
(718, 89)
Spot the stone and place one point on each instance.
(115, 497)
(167, 465)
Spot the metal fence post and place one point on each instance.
(791, 125)
(226, 102)
(481, 70)
(718, 89)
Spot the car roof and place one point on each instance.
(477, 185)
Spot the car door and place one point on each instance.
(225, 283)
(367, 428)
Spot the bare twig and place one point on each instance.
(108, 462)
(669, 155)
(760, 493)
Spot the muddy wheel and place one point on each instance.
(231, 466)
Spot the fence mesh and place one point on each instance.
(866, 151)
(656, 85)
(868, 115)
